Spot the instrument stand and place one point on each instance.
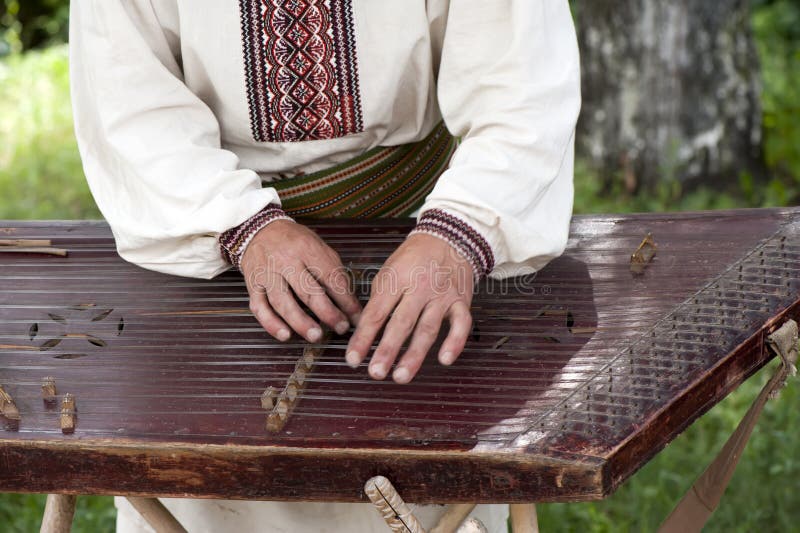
(401, 519)
(155, 514)
(60, 509)
(523, 518)
(702, 499)
(58, 513)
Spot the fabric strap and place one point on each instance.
(383, 182)
(696, 507)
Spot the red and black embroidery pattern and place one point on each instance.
(233, 242)
(302, 75)
(463, 237)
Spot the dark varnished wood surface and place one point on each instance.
(558, 397)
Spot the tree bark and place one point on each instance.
(671, 91)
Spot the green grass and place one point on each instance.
(22, 513)
(40, 169)
(41, 177)
(777, 28)
(589, 197)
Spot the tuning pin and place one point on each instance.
(268, 398)
(68, 414)
(49, 391)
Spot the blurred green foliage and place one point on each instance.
(22, 513)
(26, 24)
(777, 28)
(40, 168)
(41, 177)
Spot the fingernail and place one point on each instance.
(314, 334)
(402, 375)
(446, 358)
(342, 327)
(353, 358)
(377, 371)
(284, 334)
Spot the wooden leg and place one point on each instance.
(58, 513)
(523, 518)
(452, 518)
(155, 514)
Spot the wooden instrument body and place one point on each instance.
(573, 379)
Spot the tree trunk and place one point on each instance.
(671, 91)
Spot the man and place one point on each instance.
(205, 126)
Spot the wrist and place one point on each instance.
(467, 241)
(234, 242)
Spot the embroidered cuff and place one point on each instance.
(233, 242)
(461, 236)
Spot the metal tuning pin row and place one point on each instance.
(68, 419)
(281, 404)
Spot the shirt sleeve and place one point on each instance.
(151, 148)
(509, 86)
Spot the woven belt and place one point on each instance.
(383, 182)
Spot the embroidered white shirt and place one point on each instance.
(182, 106)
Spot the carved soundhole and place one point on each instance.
(83, 323)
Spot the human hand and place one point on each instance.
(286, 260)
(421, 284)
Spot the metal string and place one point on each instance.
(321, 377)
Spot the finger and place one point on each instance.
(271, 322)
(332, 275)
(398, 329)
(336, 281)
(428, 326)
(259, 306)
(460, 328)
(309, 291)
(283, 302)
(382, 301)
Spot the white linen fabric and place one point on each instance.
(178, 115)
(223, 516)
(182, 121)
